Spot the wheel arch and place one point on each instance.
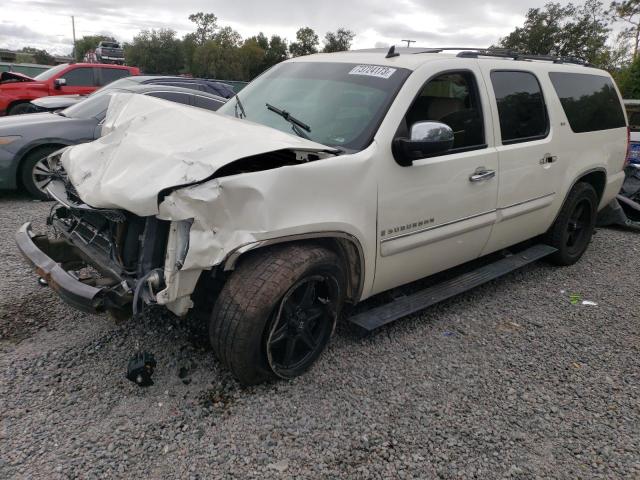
(596, 177)
(346, 246)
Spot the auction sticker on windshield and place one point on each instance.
(372, 71)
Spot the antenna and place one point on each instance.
(392, 52)
(409, 42)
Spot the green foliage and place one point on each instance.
(340, 41)
(306, 42)
(155, 51)
(34, 55)
(206, 26)
(628, 80)
(86, 43)
(565, 30)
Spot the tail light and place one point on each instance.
(628, 155)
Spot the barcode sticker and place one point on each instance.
(373, 71)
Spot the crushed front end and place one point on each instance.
(97, 259)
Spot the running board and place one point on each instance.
(406, 305)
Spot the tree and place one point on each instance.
(206, 26)
(277, 52)
(306, 42)
(340, 41)
(86, 43)
(628, 11)
(562, 30)
(156, 51)
(39, 56)
(227, 37)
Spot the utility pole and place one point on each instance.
(73, 26)
(409, 42)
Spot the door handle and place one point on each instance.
(481, 174)
(548, 158)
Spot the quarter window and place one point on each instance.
(590, 101)
(521, 107)
(451, 98)
(80, 77)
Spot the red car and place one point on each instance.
(17, 90)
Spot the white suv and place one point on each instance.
(329, 179)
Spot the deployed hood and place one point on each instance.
(149, 145)
(14, 77)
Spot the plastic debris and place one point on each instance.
(624, 210)
(140, 369)
(589, 302)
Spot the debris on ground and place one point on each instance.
(140, 368)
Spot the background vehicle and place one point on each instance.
(17, 90)
(26, 139)
(354, 173)
(110, 52)
(633, 115)
(50, 104)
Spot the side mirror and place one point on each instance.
(59, 82)
(426, 138)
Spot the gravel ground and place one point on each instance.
(509, 380)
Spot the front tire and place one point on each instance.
(276, 313)
(572, 231)
(34, 171)
(22, 108)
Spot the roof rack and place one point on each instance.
(503, 53)
(514, 54)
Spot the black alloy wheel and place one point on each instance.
(302, 325)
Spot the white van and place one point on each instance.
(330, 179)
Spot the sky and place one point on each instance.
(46, 24)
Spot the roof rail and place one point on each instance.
(515, 55)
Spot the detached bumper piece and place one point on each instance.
(55, 260)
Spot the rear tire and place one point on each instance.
(572, 231)
(276, 313)
(34, 172)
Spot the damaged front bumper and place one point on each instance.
(56, 261)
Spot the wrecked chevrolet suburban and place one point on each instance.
(329, 179)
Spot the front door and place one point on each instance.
(439, 212)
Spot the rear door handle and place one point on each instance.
(481, 174)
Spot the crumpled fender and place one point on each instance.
(337, 194)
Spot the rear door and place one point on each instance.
(531, 169)
(107, 75)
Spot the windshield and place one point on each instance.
(47, 74)
(341, 103)
(120, 83)
(92, 106)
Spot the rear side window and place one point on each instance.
(590, 102)
(108, 75)
(521, 107)
(206, 102)
(80, 77)
(177, 97)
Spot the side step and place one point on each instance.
(376, 317)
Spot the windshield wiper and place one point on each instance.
(239, 104)
(296, 125)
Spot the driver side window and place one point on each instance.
(451, 98)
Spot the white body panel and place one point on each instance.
(407, 222)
